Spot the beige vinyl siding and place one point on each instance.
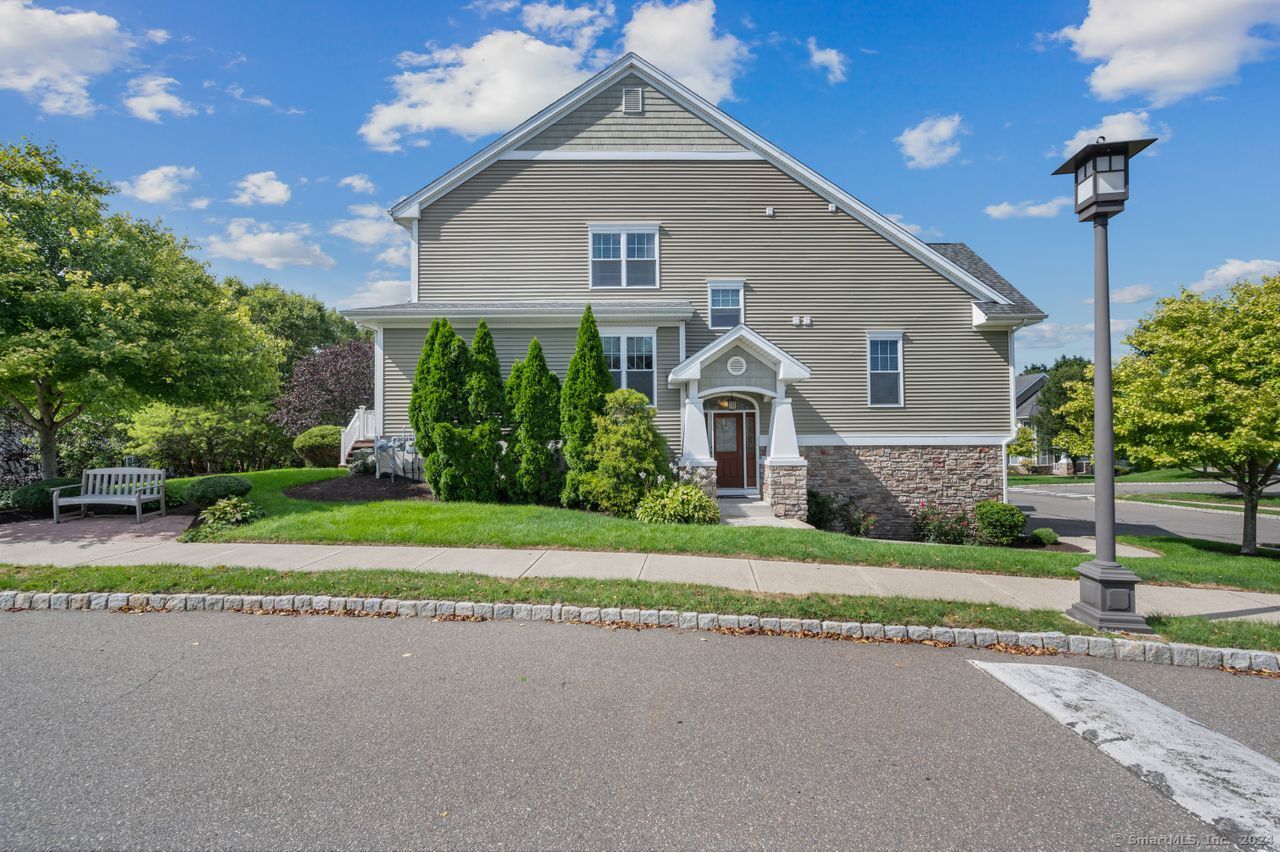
(401, 348)
(518, 230)
(600, 124)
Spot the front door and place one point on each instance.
(726, 431)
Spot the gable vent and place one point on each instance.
(633, 100)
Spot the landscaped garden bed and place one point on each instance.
(460, 524)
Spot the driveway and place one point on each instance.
(212, 729)
(1068, 509)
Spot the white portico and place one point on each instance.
(732, 388)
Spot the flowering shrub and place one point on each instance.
(937, 525)
(678, 504)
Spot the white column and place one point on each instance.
(696, 451)
(784, 446)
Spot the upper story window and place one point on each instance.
(884, 369)
(624, 256)
(630, 356)
(724, 304)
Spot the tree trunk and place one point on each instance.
(48, 451)
(1250, 486)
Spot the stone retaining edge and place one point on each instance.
(1156, 653)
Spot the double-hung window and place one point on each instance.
(624, 256)
(724, 303)
(884, 369)
(630, 356)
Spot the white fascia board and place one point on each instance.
(789, 369)
(902, 439)
(629, 155)
(630, 63)
(1010, 321)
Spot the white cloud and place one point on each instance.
(932, 142)
(256, 242)
(827, 59)
(159, 185)
(578, 25)
(157, 36)
(1049, 335)
(262, 188)
(148, 96)
(1118, 126)
(359, 183)
(239, 94)
(51, 56)
(1130, 295)
(378, 291)
(1169, 49)
(371, 227)
(199, 203)
(681, 39)
(1233, 270)
(490, 7)
(897, 219)
(490, 86)
(1028, 209)
(394, 255)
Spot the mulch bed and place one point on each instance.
(359, 489)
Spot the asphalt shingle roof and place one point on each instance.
(968, 260)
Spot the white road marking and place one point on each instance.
(1230, 787)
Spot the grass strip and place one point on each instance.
(412, 585)
(1160, 475)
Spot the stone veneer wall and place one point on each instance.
(890, 481)
(785, 488)
(703, 477)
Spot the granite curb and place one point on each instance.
(1052, 642)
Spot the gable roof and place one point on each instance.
(789, 369)
(757, 146)
(1026, 390)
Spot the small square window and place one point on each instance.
(725, 306)
(624, 257)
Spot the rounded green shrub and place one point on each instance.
(679, 504)
(1044, 536)
(822, 510)
(627, 456)
(319, 446)
(36, 497)
(207, 490)
(998, 523)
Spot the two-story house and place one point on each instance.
(789, 336)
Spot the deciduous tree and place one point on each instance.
(325, 387)
(105, 311)
(1047, 422)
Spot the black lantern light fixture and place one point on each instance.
(1107, 588)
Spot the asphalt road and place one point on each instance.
(1068, 509)
(220, 730)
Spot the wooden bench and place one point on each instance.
(116, 486)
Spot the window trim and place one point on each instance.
(625, 228)
(738, 284)
(902, 369)
(624, 332)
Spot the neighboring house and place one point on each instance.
(790, 337)
(1027, 389)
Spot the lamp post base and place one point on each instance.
(1107, 598)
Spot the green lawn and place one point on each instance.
(1266, 505)
(583, 592)
(1183, 561)
(1171, 474)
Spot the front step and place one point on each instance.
(364, 444)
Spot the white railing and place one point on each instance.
(363, 427)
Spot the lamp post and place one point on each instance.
(1107, 588)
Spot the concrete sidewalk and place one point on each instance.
(106, 541)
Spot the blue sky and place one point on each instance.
(273, 134)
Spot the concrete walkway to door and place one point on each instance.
(108, 541)
(753, 512)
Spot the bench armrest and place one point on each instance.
(54, 491)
